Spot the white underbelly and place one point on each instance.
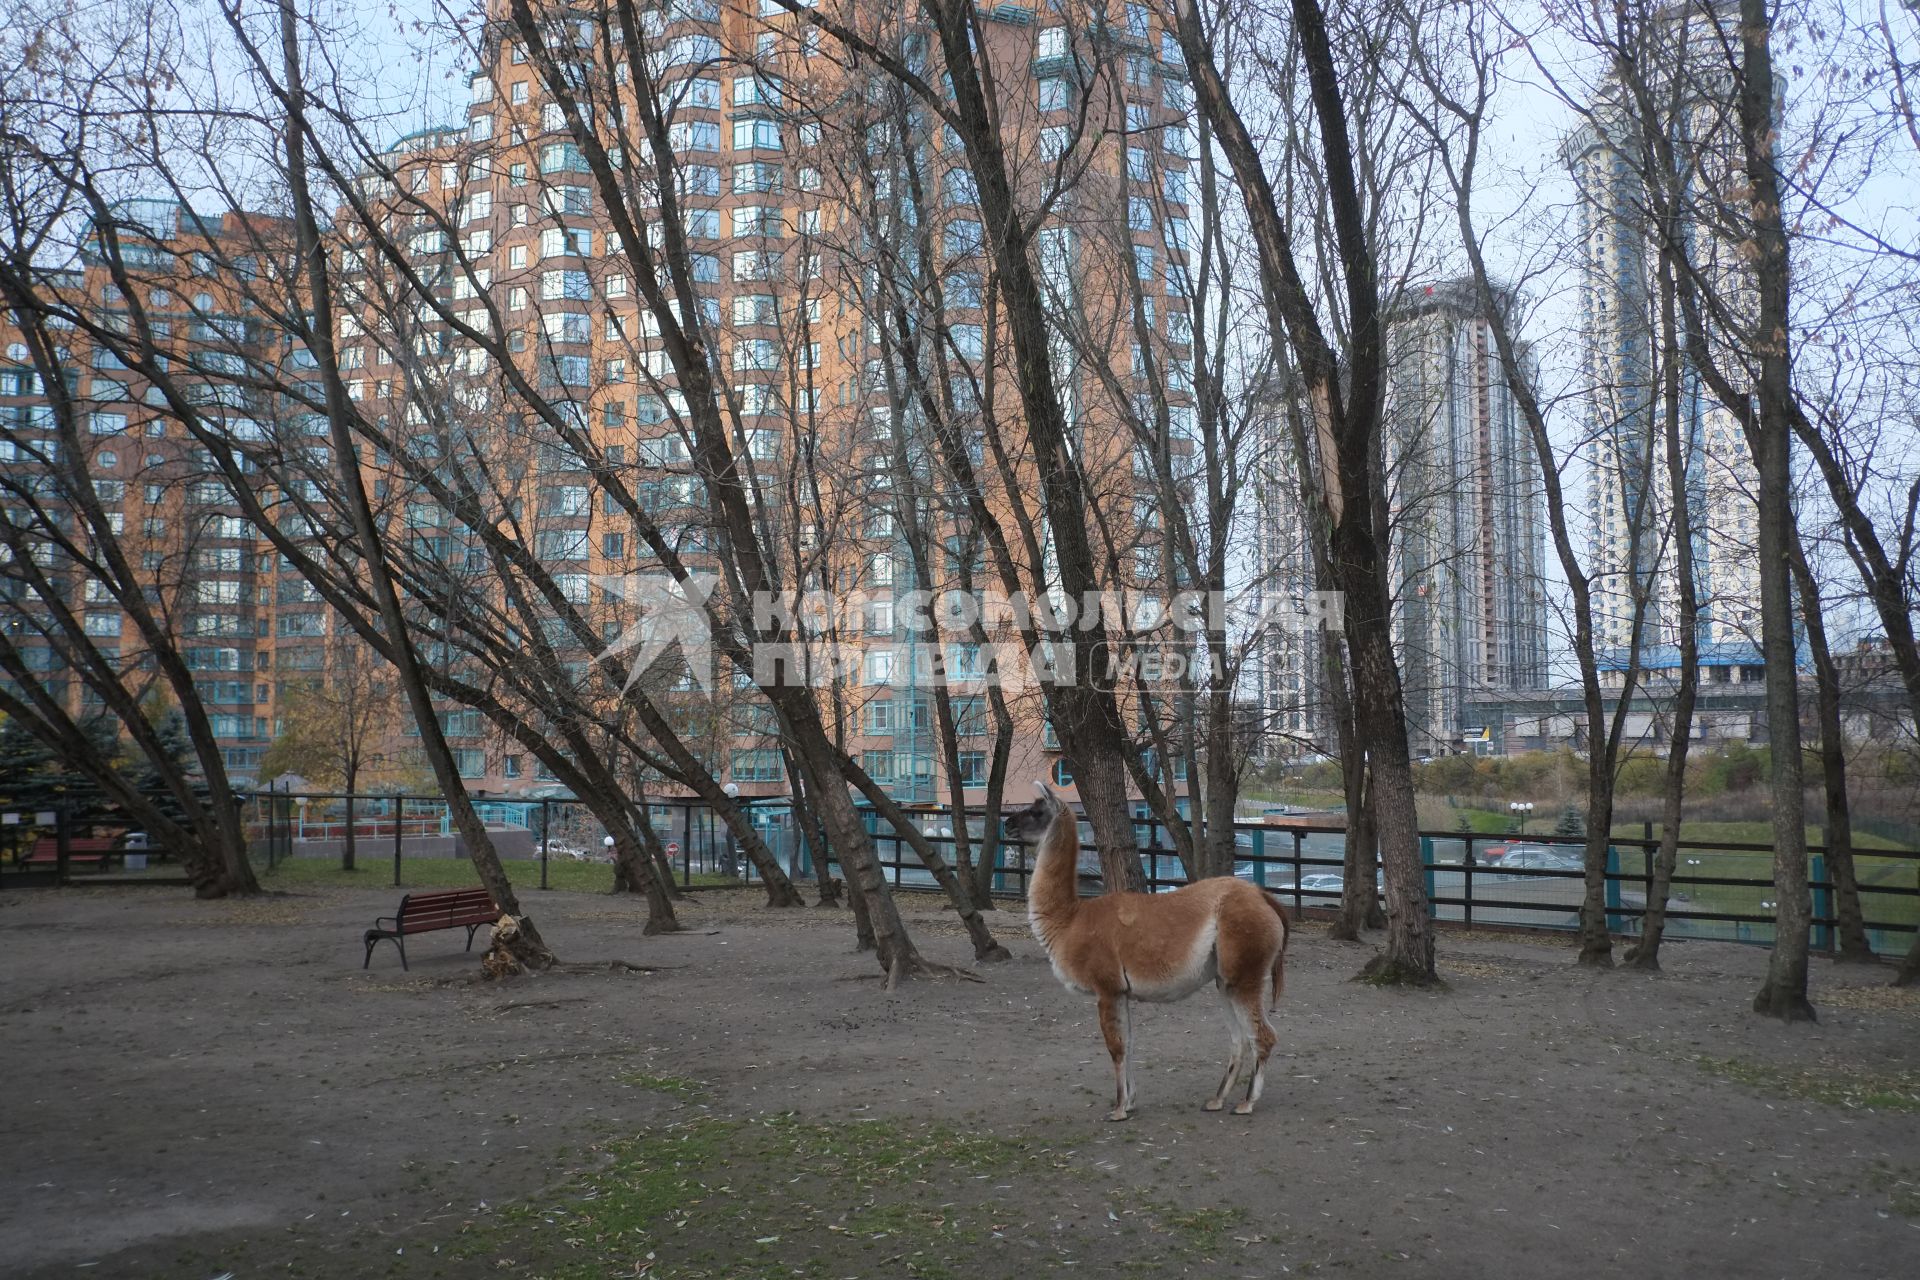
(1201, 967)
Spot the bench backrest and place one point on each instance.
(50, 846)
(441, 908)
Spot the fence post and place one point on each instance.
(347, 843)
(1822, 903)
(1466, 882)
(546, 832)
(1613, 889)
(62, 841)
(1260, 858)
(1299, 846)
(1427, 873)
(399, 823)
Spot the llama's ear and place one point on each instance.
(1040, 789)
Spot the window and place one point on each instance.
(759, 765)
(756, 354)
(750, 134)
(878, 764)
(756, 264)
(1053, 93)
(962, 239)
(1062, 773)
(565, 326)
(1176, 186)
(880, 717)
(702, 92)
(1143, 261)
(959, 188)
(613, 545)
(1139, 214)
(752, 91)
(567, 199)
(756, 308)
(564, 284)
(558, 242)
(562, 157)
(696, 135)
(517, 92)
(962, 289)
(756, 177)
(1055, 140)
(969, 341)
(1052, 43)
(973, 768)
(879, 666)
(757, 220)
(686, 50)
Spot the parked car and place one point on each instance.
(1540, 858)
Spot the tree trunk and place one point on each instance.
(1645, 954)
(1784, 993)
(1850, 922)
(528, 949)
(984, 945)
(349, 846)
(819, 853)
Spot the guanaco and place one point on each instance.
(1122, 947)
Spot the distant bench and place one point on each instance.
(426, 912)
(93, 851)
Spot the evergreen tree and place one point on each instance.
(1571, 823)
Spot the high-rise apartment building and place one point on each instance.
(1629, 505)
(1469, 529)
(798, 182)
(1467, 541)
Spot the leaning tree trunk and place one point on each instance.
(1850, 921)
(526, 946)
(818, 852)
(1645, 954)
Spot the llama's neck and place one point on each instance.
(1054, 894)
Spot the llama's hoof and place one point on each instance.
(1212, 1105)
(1243, 1108)
(1119, 1113)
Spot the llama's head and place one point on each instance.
(1030, 822)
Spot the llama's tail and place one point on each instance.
(1280, 956)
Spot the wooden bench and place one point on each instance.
(91, 851)
(425, 912)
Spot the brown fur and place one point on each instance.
(1123, 947)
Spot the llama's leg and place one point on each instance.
(1110, 1018)
(1126, 1037)
(1237, 1040)
(1263, 1041)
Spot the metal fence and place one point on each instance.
(1721, 890)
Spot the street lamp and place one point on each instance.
(1521, 811)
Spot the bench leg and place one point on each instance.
(470, 931)
(372, 942)
(401, 942)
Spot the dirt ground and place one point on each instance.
(196, 1089)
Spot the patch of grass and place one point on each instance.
(1201, 1230)
(376, 872)
(1834, 1085)
(677, 1086)
(758, 1198)
(1900, 1186)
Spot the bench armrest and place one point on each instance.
(392, 920)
